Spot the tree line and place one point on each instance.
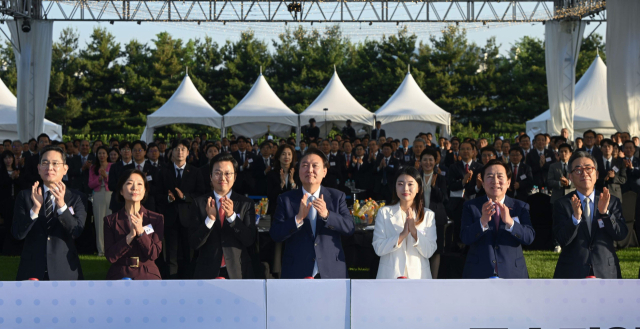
(104, 87)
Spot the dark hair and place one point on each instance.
(538, 135)
(55, 149)
(589, 132)
(358, 145)
(152, 145)
(418, 201)
(608, 142)
(281, 149)
(473, 145)
(582, 154)
(629, 141)
(565, 145)
(96, 166)
(242, 138)
(6, 140)
(489, 149)
(43, 135)
(264, 144)
(497, 162)
(313, 150)
(124, 144)
(208, 146)
(222, 157)
(579, 138)
(524, 136)
(429, 151)
(386, 145)
(7, 154)
(113, 139)
(123, 179)
(142, 144)
(517, 149)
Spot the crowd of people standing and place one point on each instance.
(183, 210)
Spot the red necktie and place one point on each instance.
(466, 168)
(515, 173)
(222, 218)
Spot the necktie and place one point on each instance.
(587, 213)
(48, 208)
(313, 214)
(496, 219)
(139, 167)
(515, 173)
(222, 216)
(564, 170)
(84, 159)
(348, 159)
(608, 165)
(384, 172)
(466, 168)
(242, 157)
(179, 178)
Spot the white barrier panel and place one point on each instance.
(307, 304)
(495, 303)
(136, 304)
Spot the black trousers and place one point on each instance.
(175, 262)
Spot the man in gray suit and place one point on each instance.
(558, 178)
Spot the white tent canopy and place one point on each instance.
(9, 118)
(185, 106)
(342, 107)
(409, 112)
(259, 112)
(591, 109)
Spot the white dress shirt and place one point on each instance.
(592, 206)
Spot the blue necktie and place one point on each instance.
(313, 214)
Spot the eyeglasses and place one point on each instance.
(219, 174)
(580, 170)
(138, 151)
(53, 164)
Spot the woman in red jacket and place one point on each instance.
(133, 236)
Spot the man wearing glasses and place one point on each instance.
(586, 223)
(226, 226)
(49, 217)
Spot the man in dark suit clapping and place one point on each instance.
(178, 185)
(311, 221)
(49, 218)
(226, 227)
(586, 223)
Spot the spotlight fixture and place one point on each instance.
(139, 22)
(370, 23)
(111, 22)
(294, 7)
(26, 26)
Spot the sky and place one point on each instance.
(506, 35)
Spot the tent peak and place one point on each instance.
(409, 69)
(260, 69)
(334, 68)
(187, 70)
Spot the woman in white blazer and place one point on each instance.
(405, 233)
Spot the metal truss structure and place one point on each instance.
(330, 11)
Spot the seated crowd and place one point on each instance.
(186, 209)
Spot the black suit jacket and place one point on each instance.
(244, 181)
(633, 174)
(192, 186)
(540, 173)
(78, 178)
(30, 171)
(582, 252)
(613, 184)
(338, 167)
(49, 249)
(391, 169)
(259, 177)
(456, 173)
(526, 183)
(229, 239)
(362, 175)
(595, 151)
(375, 134)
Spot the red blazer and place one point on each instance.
(146, 247)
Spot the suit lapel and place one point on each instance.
(396, 218)
(121, 222)
(596, 215)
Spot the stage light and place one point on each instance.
(139, 22)
(26, 26)
(111, 22)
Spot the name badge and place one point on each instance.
(443, 173)
(250, 160)
(615, 169)
(149, 178)
(390, 166)
(407, 158)
(523, 177)
(332, 164)
(148, 229)
(600, 223)
(548, 159)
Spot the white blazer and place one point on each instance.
(410, 254)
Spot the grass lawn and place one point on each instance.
(541, 265)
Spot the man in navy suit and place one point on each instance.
(495, 227)
(311, 220)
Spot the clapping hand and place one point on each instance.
(321, 206)
(411, 223)
(171, 197)
(211, 208)
(628, 164)
(543, 160)
(135, 223)
(479, 181)
(467, 176)
(487, 211)
(603, 203)
(227, 205)
(36, 197)
(505, 216)
(180, 194)
(304, 209)
(58, 190)
(576, 205)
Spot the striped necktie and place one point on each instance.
(48, 208)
